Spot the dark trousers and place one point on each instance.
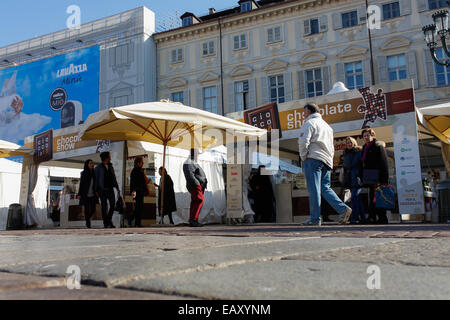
(375, 212)
(197, 200)
(107, 196)
(138, 210)
(89, 208)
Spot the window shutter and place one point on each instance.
(199, 98)
(252, 93)
(412, 67)
(174, 55)
(301, 84)
(307, 27)
(244, 41)
(382, 69)
(429, 68)
(288, 86)
(265, 90)
(367, 73)
(405, 7)
(231, 97)
(326, 80)
(323, 22)
(337, 21)
(362, 15)
(340, 73)
(270, 35)
(186, 97)
(277, 34)
(236, 42)
(422, 5)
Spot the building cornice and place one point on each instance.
(240, 19)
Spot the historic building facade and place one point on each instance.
(264, 51)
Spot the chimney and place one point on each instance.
(212, 10)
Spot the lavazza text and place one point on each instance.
(226, 309)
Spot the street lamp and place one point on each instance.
(433, 31)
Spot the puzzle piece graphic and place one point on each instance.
(375, 106)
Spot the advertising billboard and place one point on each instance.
(52, 93)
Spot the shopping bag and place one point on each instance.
(120, 206)
(385, 197)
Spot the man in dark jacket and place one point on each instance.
(105, 182)
(196, 184)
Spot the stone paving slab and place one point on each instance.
(26, 287)
(306, 280)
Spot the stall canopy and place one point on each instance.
(167, 123)
(9, 149)
(437, 120)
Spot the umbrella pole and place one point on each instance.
(162, 182)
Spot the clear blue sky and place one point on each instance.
(24, 19)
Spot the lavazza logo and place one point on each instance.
(72, 69)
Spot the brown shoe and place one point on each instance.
(346, 216)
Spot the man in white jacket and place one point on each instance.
(317, 151)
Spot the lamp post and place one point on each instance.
(435, 31)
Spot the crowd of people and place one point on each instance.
(363, 167)
(98, 184)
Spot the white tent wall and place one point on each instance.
(10, 175)
(211, 161)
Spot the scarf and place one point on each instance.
(366, 148)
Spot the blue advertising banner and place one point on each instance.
(53, 93)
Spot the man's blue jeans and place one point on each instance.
(318, 181)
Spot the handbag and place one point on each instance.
(120, 206)
(385, 197)
(371, 177)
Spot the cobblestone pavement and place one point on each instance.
(261, 261)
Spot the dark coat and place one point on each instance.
(376, 158)
(85, 182)
(100, 178)
(170, 204)
(352, 168)
(194, 175)
(137, 182)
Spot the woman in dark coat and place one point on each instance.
(374, 157)
(86, 193)
(264, 197)
(352, 178)
(138, 189)
(170, 204)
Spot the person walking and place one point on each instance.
(263, 196)
(105, 182)
(170, 204)
(196, 184)
(374, 158)
(86, 193)
(138, 189)
(352, 179)
(316, 151)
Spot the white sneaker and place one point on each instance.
(345, 216)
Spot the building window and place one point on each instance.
(240, 41)
(246, 6)
(397, 67)
(178, 97)
(187, 21)
(314, 24)
(208, 48)
(442, 73)
(121, 55)
(354, 75)
(349, 19)
(210, 99)
(276, 84)
(436, 4)
(177, 55)
(120, 101)
(274, 34)
(391, 10)
(314, 82)
(241, 95)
